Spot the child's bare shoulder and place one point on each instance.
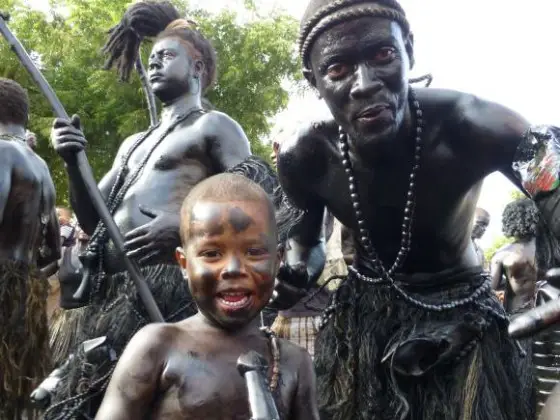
(292, 353)
(159, 334)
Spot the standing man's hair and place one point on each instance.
(150, 19)
(14, 103)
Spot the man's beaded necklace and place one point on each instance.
(386, 276)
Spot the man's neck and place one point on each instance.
(10, 129)
(179, 107)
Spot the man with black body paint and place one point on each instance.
(29, 240)
(415, 331)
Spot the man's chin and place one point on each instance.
(164, 93)
(378, 135)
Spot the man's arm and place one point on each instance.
(528, 156)
(304, 406)
(228, 144)
(52, 240)
(5, 186)
(494, 130)
(135, 380)
(496, 271)
(306, 245)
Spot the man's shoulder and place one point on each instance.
(452, 105)
(309, 141)
(21, 155)
(128, 142)
(10, 149)
(217, 126)
(443, 102)
(215, 121)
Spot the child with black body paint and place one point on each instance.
(187, 370)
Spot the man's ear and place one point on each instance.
(181, 260)
(198, 69)
(409, 45)
(308, 74)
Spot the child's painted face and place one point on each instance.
(230, 259)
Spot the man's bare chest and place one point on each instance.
(441, 192)
(164, 152)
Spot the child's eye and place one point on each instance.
(256, 252)
(210, 253)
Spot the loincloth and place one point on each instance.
(118, 317)
(299, 330)
(25, 357)
(382, 357)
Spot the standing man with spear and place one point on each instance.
(152, 174)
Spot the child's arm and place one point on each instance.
(305, 403)
(135, 379)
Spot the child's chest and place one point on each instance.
(197, 387)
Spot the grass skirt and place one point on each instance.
(25, 358)
(119, 317)
(380, 357)
(65, 332)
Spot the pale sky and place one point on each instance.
(501, 50)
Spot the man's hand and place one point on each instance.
(149, 240)
(67, 138)
(291, 286)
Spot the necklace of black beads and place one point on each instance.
(386, 276)
(120, 187)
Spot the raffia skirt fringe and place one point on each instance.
(64, 331)
(359, 376)
(25, 357)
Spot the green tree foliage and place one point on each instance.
(497, 244)
(256, 58)
(517, 195)
(501, 240)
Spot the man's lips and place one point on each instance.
(155, 77)
(373, 112)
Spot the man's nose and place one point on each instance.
(366, 82)
(154, 64)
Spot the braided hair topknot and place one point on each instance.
(149, 19)
(321, 15)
